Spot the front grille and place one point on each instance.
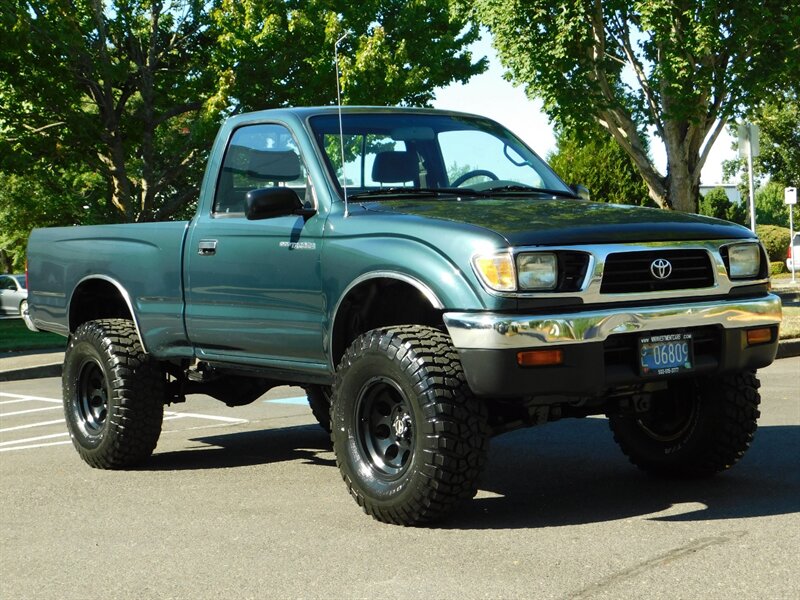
(630, 272)
(572, 270)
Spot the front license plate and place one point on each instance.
(666, 353)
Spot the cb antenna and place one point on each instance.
(339, 105)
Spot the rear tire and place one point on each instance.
(695, 428)
(113, 395)
(410, 438)
(319, 399)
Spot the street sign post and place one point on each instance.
(790, 198)
(749, 148)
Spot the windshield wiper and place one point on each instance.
(525, 189)
(414, 191)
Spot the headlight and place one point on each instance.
(537, 271)
(744, 261)
(496, 271)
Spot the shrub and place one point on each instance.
(776, 268)
(775, 240)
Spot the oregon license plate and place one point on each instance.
(666, 353)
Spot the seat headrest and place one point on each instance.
(395, 167)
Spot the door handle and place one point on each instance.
(207, 247)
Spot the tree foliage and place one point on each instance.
(770, 206)
(680, 68)
(778, 121)
(601, 165)
(717, 204)
(132, 91)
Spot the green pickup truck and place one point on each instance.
(431, 283)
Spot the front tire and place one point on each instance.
(410, 438)
(696, 427)
(113, 395)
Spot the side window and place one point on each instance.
(260, 156)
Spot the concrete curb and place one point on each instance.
(788, 348)
(37, 372)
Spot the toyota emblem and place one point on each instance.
(661, 268)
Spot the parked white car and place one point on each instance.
(794, 250)
(13, 295)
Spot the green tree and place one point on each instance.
(770, 206)
(716, 204)
(133, 90)
(680, 68)
(601, 165)
(779, 123)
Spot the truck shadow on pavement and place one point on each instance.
(573, 474)
(561, 474)
(304, 442)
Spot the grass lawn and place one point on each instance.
(790, 326)
(14, 336)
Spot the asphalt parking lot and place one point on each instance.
(248, 503)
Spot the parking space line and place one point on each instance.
(30, 410)
(34, 439)
(16, 401)
(23, 397)
(29, 447)
(182, 415)
(297, 400)
(29, 425)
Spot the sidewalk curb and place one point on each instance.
(788, 348)
(37, 372)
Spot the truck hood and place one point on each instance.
(529, 222)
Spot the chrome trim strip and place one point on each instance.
(598, 253)
(125, 296)
(497, 331)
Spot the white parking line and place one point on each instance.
(26, 443)
(182, 415)
(40, 424)
(10, 449)
(26, 397)
(17, 401)
(34, 439)
(30, 410)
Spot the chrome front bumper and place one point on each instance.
(483, 330)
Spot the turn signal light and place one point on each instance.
(540, 358)
(759, 336)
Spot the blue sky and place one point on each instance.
(492, 96)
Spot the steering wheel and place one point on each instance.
(474, 173)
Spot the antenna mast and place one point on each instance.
(339, 105)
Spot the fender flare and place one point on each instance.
(126, 297)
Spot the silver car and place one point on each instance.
(13, 295)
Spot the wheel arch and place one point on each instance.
(101, 297)
(419, 298)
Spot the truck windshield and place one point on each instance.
(431, 156)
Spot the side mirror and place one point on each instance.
(581, 190)
(264, 203)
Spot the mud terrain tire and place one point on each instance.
(696, 428)
(113, 395)
(409, 436)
